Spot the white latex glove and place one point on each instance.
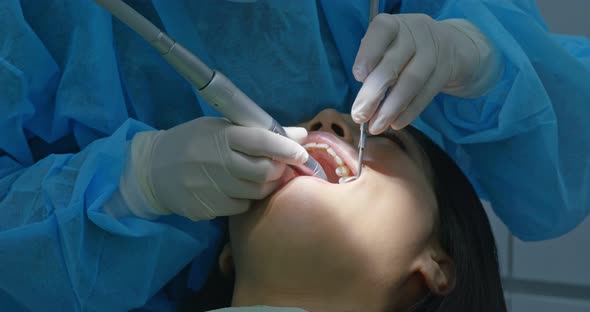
(418, 57)
(205, 168)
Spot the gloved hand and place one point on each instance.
(205, 168)
(419, 57)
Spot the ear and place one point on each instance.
(226, 261)
(438, 271)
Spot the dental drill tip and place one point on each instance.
(316, 168)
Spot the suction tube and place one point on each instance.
(213, 86)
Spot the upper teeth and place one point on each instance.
(342, 170)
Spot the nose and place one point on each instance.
(330, 120)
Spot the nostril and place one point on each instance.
(338, 130)
(316, 126)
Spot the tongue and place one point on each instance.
(327, 162)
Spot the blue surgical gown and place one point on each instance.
(75, 86)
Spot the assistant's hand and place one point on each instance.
(418, 57)
(207, 167)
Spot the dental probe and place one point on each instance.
(213, 86)
(373, 10)
(362, 144)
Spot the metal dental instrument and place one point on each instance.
(362, 144)
(213, 86)
(373, 10)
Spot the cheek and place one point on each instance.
(298, 234)
(304, 211)
(397, 223)
(394, 219)
(289, 220)
(385, 157)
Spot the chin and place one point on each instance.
(298, 206)
(297, 195)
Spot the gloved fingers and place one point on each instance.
(380, 34)
(410, 82)
(385, 114)
(235, 206)
(383, 76)
(264, 143)
(252, 190)
(198, 203)
(254, 169)
(297, 134)
(214, 205)
(419, 103)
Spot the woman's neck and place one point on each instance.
(308, 299)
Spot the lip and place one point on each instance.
(344, 150)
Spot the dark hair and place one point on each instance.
(465, 234)
(216, 293)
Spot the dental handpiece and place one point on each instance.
(212, 85)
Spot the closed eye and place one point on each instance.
(392, 135)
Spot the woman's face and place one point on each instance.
(368, 233)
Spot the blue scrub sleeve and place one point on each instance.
(59, 249)
(525, 143)
(65, 103)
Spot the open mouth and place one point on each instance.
(338, 158)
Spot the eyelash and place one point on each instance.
(394, 138)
